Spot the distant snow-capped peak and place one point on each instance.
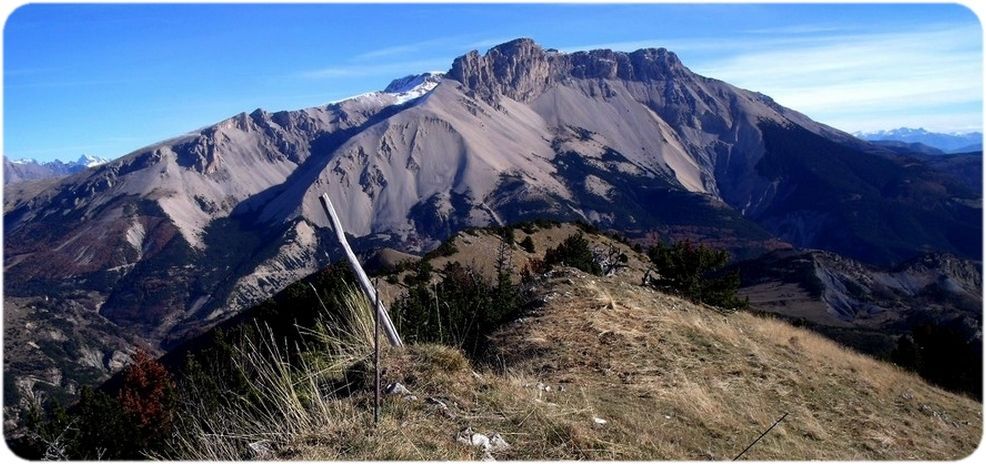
(949, 142)
(909, 132)
(88, 161)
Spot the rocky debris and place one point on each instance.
(118, 360)
(468, 437)
(396, 388)
(542, 387)
(488, 444)
(440, 406)
(498, 443)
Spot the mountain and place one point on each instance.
(956, 142)
(967, 168)
(171, 239)
(20, 170)
(963, 166)
(876, 304)
(907, 148)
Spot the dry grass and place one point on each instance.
(686, 382)
(672, 380)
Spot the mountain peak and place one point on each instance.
(949, 142)
(90, 161)
(519, 44)
(521, 69)
(410, 82)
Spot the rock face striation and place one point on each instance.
(176, 236)
(522, 70)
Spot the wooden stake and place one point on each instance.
(361, 277)
(376, 359)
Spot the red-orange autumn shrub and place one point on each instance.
(146, 393)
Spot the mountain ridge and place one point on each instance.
(29, 169)
(948, 142)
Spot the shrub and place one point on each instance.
(574, 252)
(105, 429)
(943, 355)
(588, 228)
(146, 394)
(447, 248)
(507, 234)
(421, 275)
(459, 310)
(527, 244)
(136, 423)
(695, 272)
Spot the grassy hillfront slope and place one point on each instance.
(680, 381)
(671, 379)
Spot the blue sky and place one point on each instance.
(108, 79)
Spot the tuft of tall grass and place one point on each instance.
(288, 396)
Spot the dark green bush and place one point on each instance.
(447, 248)
(573, 252)
(943, 355)
(98, 427)
(461, 309)
(695, 272)
(527, 244)
(507, 234)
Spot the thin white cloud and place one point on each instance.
(432, 45)
(395, 69)
(402, 49)
(800, 29)
(841, 79)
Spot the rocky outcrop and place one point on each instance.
(522, 70)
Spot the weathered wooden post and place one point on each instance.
(361, 277)
(376, 363)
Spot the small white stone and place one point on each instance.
(497, 443)
(480, 441)
(599, 420)
(396, 389)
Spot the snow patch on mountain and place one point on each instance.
(91, 161)
(598, 187)
(401, 90)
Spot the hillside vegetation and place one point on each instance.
(595, 367)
